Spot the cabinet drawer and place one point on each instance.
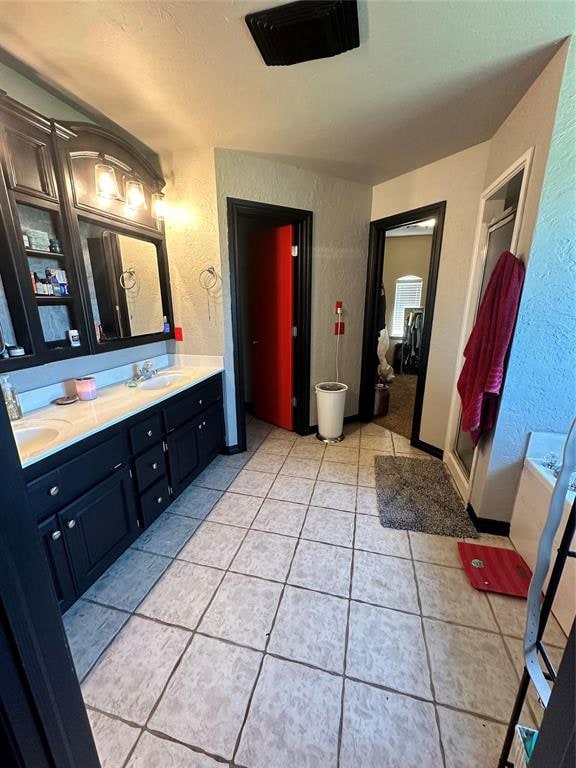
(61, 486)
(197, 400)
(155, 501)
(150, 467)
(146, 433)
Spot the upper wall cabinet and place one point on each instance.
(83, 263)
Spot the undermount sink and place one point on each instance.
(33, 436)
(162, 381)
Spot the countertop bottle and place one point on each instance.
(11, 399)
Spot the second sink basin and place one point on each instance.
(162, 381)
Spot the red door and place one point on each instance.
(271, 299)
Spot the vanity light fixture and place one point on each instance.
(158, 206)
(106, 184)
(135, 199)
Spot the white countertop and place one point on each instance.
(68, 424)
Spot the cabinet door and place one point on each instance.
(184, 455)
(212, 433)
(28, 160)
(53, 541)
(99, 526)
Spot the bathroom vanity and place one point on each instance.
(127, 456)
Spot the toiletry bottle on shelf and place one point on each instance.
(11, 399)
(166, 324)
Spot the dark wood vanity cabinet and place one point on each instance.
(93, 499)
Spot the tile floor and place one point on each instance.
(268, 620)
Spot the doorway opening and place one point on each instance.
(498, 229)
(270, 249)
(400, 295)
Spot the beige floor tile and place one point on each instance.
(307, 450)
(90, 628)
(366, 476)
(341, 454)
(511, 617)
(322, 567)
(216, 476)
(195, 502)
(311, 627)
(167, 535)
(283, 517)
(130, 676)
(469, 741)
(375, 443)
(386, 581)
(252, 483)
(367, 456)
(236, 509)
(278, 433)
(298, 467)
(213, 544)
(382, 729)
(182, 594)
(265, 462)
(373, 537)
(366, 502)
(277, 447)
(334, 496)
(206, 699)
(267, 555)
(155, 752)
(446, 594)
(471, 669)
(387, 648)
(337, 472)
(242, 610)
(330, 526)
(441, 550)
(114, 739)
(295, 489)
(294, 718)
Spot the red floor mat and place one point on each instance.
(492, 569)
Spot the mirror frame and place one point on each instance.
(94, 141)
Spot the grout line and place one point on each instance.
(251, 697)
(428, 659)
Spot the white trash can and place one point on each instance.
(330, 401)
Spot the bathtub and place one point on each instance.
(528, 518)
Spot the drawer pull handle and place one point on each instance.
(155, 465)
(54, 491)
(159, 500)
(56, 535)
(149, 433)
(199, 402)
(203, 423)
(71, 523)
(117, 466)
(199, 426)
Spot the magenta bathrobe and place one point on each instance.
(482, 376)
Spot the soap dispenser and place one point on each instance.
(11, 399)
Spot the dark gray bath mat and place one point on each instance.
(418, 495)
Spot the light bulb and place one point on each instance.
(135, 195)
(106, 184)
(158, 206)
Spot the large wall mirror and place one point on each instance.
(124, 283)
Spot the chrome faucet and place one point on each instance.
(144, 373)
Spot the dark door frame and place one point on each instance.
(43, 720)
(302, 221)
(376, 247)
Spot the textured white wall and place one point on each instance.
(540, 388)
(458, 179)
(339, 254)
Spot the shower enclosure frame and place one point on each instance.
(464, 481)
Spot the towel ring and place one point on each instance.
(128, 278)
(208, 278)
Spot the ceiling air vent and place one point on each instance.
(305, 30)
